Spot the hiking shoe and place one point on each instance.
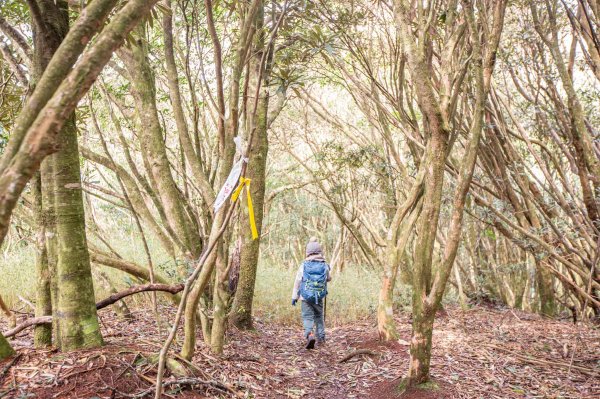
(310, 341)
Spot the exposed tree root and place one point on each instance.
(358, 352)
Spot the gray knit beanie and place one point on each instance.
(313, 247)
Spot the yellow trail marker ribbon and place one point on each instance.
(245, 182)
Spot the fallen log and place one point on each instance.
(172, 289)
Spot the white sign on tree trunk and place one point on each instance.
(233, 179)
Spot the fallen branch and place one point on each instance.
(356, 353)
(28, 323)
(173, 289)
(546, 363)
(190, 382)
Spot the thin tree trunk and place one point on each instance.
(221, 297)
(153, 146)
(462, 299)
(420, 343)
(43, 304)
(386, 326)
(545, 288)
(12, 319)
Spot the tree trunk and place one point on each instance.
(47, 39)
(257, 169)
(386, 326)
(462, 299)
(49, 227)
(5, 349)
(190, 322)
(76, 306)
(12, 319)
(43, 304)
(420, 343)
(244, 295)
(76, 321)
(545, 288)
(221, 297)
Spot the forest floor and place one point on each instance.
(480, 353)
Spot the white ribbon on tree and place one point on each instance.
(233, 179)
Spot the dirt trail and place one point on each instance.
(481, 353)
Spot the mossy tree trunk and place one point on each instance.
(48, 33)
(241, 315)
(75, 306)
(5, 349)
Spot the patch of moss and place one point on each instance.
(426, 386)
(402, 386)
(429, 386)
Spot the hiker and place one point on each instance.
(310, 287)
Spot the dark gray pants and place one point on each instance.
(312, 315)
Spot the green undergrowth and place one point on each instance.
(352, 294)
(17, 273)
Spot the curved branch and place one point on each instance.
(13, 63)
(16, 37)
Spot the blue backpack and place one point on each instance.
(314, 281)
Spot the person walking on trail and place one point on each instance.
(310, 287)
